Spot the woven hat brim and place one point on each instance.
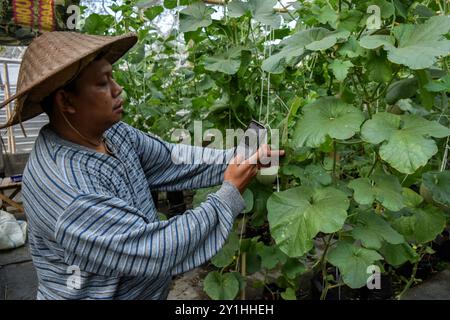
(112, 51)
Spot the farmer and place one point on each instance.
(94, 229)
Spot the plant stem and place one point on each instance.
(334, 161)
(323, 264)
(374, 165)
(411, 280)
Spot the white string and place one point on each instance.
(268, 76)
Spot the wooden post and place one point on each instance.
(7, 93)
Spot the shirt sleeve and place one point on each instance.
(172, 167)
(104, 235)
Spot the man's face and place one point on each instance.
(97, 100)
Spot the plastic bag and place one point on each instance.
(13, 233)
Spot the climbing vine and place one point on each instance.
(363, 115)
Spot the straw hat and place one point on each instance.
(52, 60)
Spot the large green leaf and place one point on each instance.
(382, 187)
(312, 175)
(418, 46)
(261, 10)
(406, 143)
(221, 286)
(228, 62)
(293, 267)
(270, 256)
(226, 255)
(373, 230)
(340, 68)
(411, 198)
(195, 16)
(327, 116)
(439, 185)
(442, 85)
(294, 47)
(353, 262)
(421, 224)
(398, 254)
(297, 215)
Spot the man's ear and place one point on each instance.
(63, 101)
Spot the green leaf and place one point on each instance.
(442, 85)
(97, 24)
(386, 8)
(270, 256)
(340, 68)
(383, 188)
(351, 48)
(327, 116)
(221, 286)
(418, 46)
(289, 294)
(297, 215)
(439, 185)
(225, 256)
(314, 176)
(378, 68)
(406, 145)
(293, 268)
(195, 16)
(294, 47)
(153, 12)
(170, 4)
(398, 254)
(353, 262)
(411, 198)
(422, 225)
(261, 10)
(328, 15)
(373, 230)
(248, 198)
(228, 62)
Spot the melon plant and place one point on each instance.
(363, 113)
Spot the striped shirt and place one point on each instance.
(94, 231)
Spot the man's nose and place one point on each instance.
(117, 89)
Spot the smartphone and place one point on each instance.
(254, 136)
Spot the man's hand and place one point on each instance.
(240, 172)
